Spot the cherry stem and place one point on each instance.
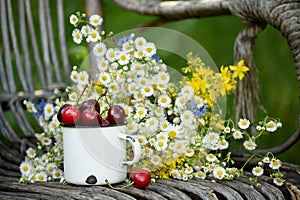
(118, 188)
(81, 94)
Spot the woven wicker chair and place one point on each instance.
(35, 52)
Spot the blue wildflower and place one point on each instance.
(40, 108)
(124, 39)
(156, 57)
(196, 110)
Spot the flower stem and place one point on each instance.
(118, 188)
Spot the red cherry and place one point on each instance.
(61, 111)
(90, 117)
(141, 178)
(104, 122)
(116, 114)
(70, 116)
(89, 104)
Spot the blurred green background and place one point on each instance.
(277, 77)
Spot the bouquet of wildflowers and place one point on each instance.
(181, 132)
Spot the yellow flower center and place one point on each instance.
(219, 173)
(123, 57)
(148, 49)
(25, 168)
(93, 35)
(172, 134)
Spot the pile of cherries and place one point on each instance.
(88, 114)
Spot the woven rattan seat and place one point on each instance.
(33, 67)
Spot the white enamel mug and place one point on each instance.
(94, 154)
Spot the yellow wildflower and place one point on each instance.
(239, 70)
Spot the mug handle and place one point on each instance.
(136, 149)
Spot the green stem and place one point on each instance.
(247, 161)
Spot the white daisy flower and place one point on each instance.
(93, 36)
(147, 90)
(211, 158)
(138, 96)
(30, 107)
(187, 117)
(57, 173)
(237, 134)
(83, 78)
(127, 47)
(149, 49)
(54, 124)
(26, 168)
(44, 158)
(257, 171)
(102, 64)
(173, 132)
(163, 77)
(162, 136)
(211, 138)
(234, 171)
(148, 152)
(30, 152)
(278, 181)
(95, 20)
(73, 96)
(244, 123)
(164, 101)
(41, 177)
(139, 54)
(155, 159)
(180, 102)
(132, 88)
(99, 49)
(50, 167)
(104, 78)
(223, 144)
(137, 68)
(179, 146)
(39, 168)
(140, 42)
(85, 30)
(275, 164)
(199, 101)
(227, 129)
(141, 112)
(200, 174)
(142, 139)
(141, 81)
(266, 160)
(189, 152)
(132, 127)
(160, 145)
(189, 170)
(187, 92)
(176, 174)
(250, 145)
(111, 54)
(46, 141)
(48, 110)
(219, 172)
(152, 123)
(123, 58)
(271, 126)
(73, 19)
(164, 125)
(77, 36)
(74, 76)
